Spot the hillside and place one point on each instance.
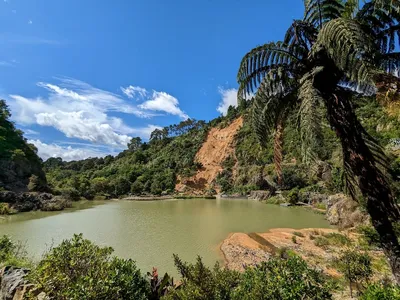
(223, 155)
(18, 160)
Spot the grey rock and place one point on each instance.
(34, 201)
(11, 279)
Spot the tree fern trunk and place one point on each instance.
(360, 160)
(278, 143)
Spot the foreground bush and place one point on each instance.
(381, 292)
(282, 279)
(79, 269)
(277, 279)
(12, 254)
(202, 283)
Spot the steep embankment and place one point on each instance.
(214, 151)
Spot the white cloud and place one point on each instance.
(162, 101)
(80, 111)
(155, 101)
(132, 91)
(67, 153)
(229, 97)
(30, 22)
(84, 126)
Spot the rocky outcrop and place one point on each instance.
(34, 201)
(11, 279)
(344, 212)
(262, 195)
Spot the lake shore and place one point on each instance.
(166, 197)
(241, 250)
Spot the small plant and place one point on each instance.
(12, 253)
(159, 287)
(381, 292)
(356, 268)
(293, 196)
(337, 239)
(5, 209)
(320, 205)
(321, 241)
(298, 233)
(294, 240)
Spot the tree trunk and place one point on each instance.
(361, 162)
(278, 143)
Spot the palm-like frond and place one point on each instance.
(349, 47)
(310, 119)
(262, 59)
(301, 33)
(382, 24)
(270, 102)
(318, 12)
(393, 5)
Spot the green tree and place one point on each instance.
(328, 59)
(135, 144)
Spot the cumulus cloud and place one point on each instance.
(67, 153)
(80, 111)
(155, 101)
(229, 97)
(162, 101)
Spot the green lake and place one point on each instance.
(150, 232)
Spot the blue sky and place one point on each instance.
(83, 76)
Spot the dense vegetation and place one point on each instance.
(18, 159)
(145, 167)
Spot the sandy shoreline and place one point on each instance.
(241, 249)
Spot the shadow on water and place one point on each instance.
(33, 215)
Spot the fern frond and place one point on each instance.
(310, 119)
(268, 106)
(349, 47)
(301, 33)
(259, 60)
(318, 12)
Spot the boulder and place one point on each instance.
(261, 195)
(54, 204)
(11, 279)
(344, 212)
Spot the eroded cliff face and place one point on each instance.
(218, 146)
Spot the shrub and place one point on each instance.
(370, 235)
(293, 196)
(381, 292)
(332, 239)
(356, 268)
(202, 283)
(298, 233)
(294, 240)
(282, 279)
(337, 239)
(4, 209)
(12, 253)
(70, 194)
(79, 269)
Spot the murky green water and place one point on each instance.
(150, 232)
